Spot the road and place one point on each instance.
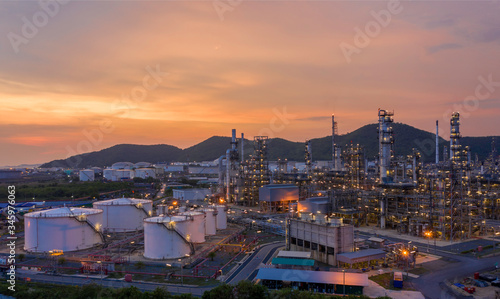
(460, 266)
(263, 254)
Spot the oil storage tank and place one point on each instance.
(221, 221)
(124, 214)
(166, 237)
(66, 229)
(196, 227)
(210, 221)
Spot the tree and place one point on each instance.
(211, 255)
(247, 290)
(61, 261)
(223, 291)
(21, 257)
(160, 293)
(140, 265)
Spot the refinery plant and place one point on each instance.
(202, 221)
(453, 197)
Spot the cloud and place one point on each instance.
(438, 48)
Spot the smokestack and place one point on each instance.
(333, 142)
(437, 142)
(242, 147)
(233, 140)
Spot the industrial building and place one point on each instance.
(323, 240)
(315, 281)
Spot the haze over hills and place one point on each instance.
(406, 138)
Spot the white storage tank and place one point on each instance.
(221, 221)
(109, 174)
(166, 237)
(145, 173)
(66, 229)
(161, 209)
(196, 227)
(210, 221)
(124, 174)
(87, 175)
(124, 214)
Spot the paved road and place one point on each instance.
(429, 284)
(261, 255)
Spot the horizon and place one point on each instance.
(238, 138)
(85, 78)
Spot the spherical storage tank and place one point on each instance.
(66, 229)
(196, 226)
(221, 216)
(210, 221)
(166, 237)
(124, 214)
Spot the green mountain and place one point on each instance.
(406, 138)
(119, 153)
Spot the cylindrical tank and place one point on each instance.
(210, 221)
(145, 173)
(66, 229)
(124, 214)
(110, 174)
(165, 237)
(87, 175)
(161, 209)
(221, 221)
(196, 227)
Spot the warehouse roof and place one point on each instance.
(361, 256)
(292, 261)
(352, 279)
(295, 254)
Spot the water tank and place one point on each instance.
(124, 214)
(210, 221)
(87, 175)
(221, 222)
(196, 227)
(161, 209)
(66, 229)
(166, 237)
(145, 173)
(110, 174)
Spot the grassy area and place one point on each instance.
(385, 280)
(65, 191)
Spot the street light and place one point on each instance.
(182, 277)
(343, 285)
(100, 270)
(405, 254)
(428, 235)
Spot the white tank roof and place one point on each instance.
(63, 212)
(124, 201)
(191, 213)
(165, 219)
(142, 164)
(120, 165)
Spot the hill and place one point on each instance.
(406, 138)
(119, 153)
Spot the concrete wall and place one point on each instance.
(324, 241)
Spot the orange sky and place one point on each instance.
(88, 65)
